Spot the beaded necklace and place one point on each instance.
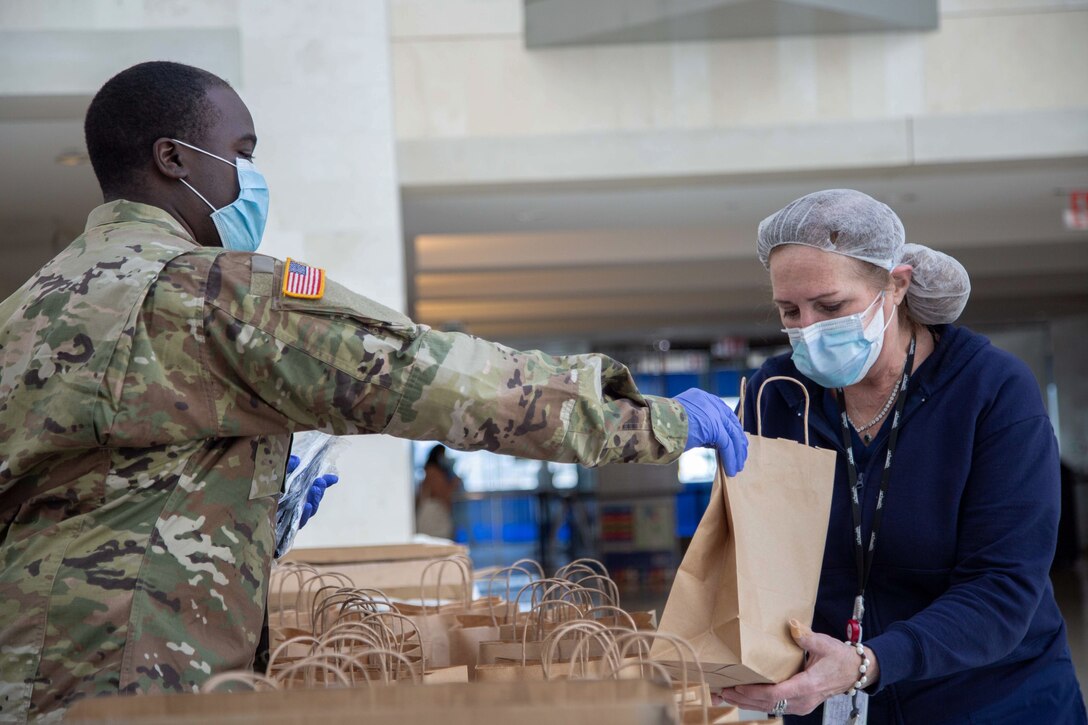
(879, 416)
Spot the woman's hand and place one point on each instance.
(831, 669)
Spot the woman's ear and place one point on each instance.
(901, 279)
(167, 160)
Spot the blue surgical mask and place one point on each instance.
(241, 223)
(838, 353)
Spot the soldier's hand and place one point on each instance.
(317, 492)
(712, 424)
(292, 463)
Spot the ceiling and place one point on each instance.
(677, 260)
(618, 261)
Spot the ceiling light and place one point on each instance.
(72, 158)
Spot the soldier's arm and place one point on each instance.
(345, 364)
(473, 394)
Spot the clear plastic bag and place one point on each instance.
(316, 453)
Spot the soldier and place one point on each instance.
(151, 375)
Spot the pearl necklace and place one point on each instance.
(879, 416)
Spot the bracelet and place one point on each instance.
(863, 669)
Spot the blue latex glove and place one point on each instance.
(317, 490)
(712, 424)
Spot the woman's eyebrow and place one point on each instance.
(810, 299)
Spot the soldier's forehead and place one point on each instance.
(234, 119)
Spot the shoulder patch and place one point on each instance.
(303, 281)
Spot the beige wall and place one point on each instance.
(462, 71)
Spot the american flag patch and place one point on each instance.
(303, 281)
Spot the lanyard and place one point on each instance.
(862, 558)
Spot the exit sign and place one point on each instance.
(1076, 216)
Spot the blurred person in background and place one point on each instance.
(935, 604)
(434, 502)
(151, 375)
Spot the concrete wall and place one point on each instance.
(999, 80)
(319, 85)
(462, 70)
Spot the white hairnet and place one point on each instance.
(856, 225)
(939, 288)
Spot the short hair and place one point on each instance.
(140, 105)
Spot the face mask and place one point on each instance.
(241, 223)
(839, 352)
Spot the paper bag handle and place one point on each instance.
(385, 660)
(313, 643)
(740, 403)
(344, 599)
(533, 587)
(530, 563)
(548, 653)
(583, 563)
(351, 635)
(585, 632)
(616, 613)
(383, 625)
(759, 397)
(540, 622)
(507, 571)
(608, 589)
(459, 564)
(252, 680)
(644, 642)
(282, 574)
(308, 667)
(359, 628)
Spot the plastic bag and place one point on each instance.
(315, 451)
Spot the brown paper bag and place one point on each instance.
(525, 703)
(481, 624)
(435, 620)
(514, 672)
(754, 563)
(529, 651)
(606, 615)
(715, 715)
(464, 643)
(510, 671)
(457, 673)
(445, 639)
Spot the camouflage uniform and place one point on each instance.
(149, 387)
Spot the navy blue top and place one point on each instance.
(959, 605)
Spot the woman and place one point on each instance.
(951, 617)
(434, 506)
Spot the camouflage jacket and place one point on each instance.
(148, 387)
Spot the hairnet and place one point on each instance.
(939, 287)
(856, 225)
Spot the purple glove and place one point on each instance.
(712, 424)
(317, 490)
